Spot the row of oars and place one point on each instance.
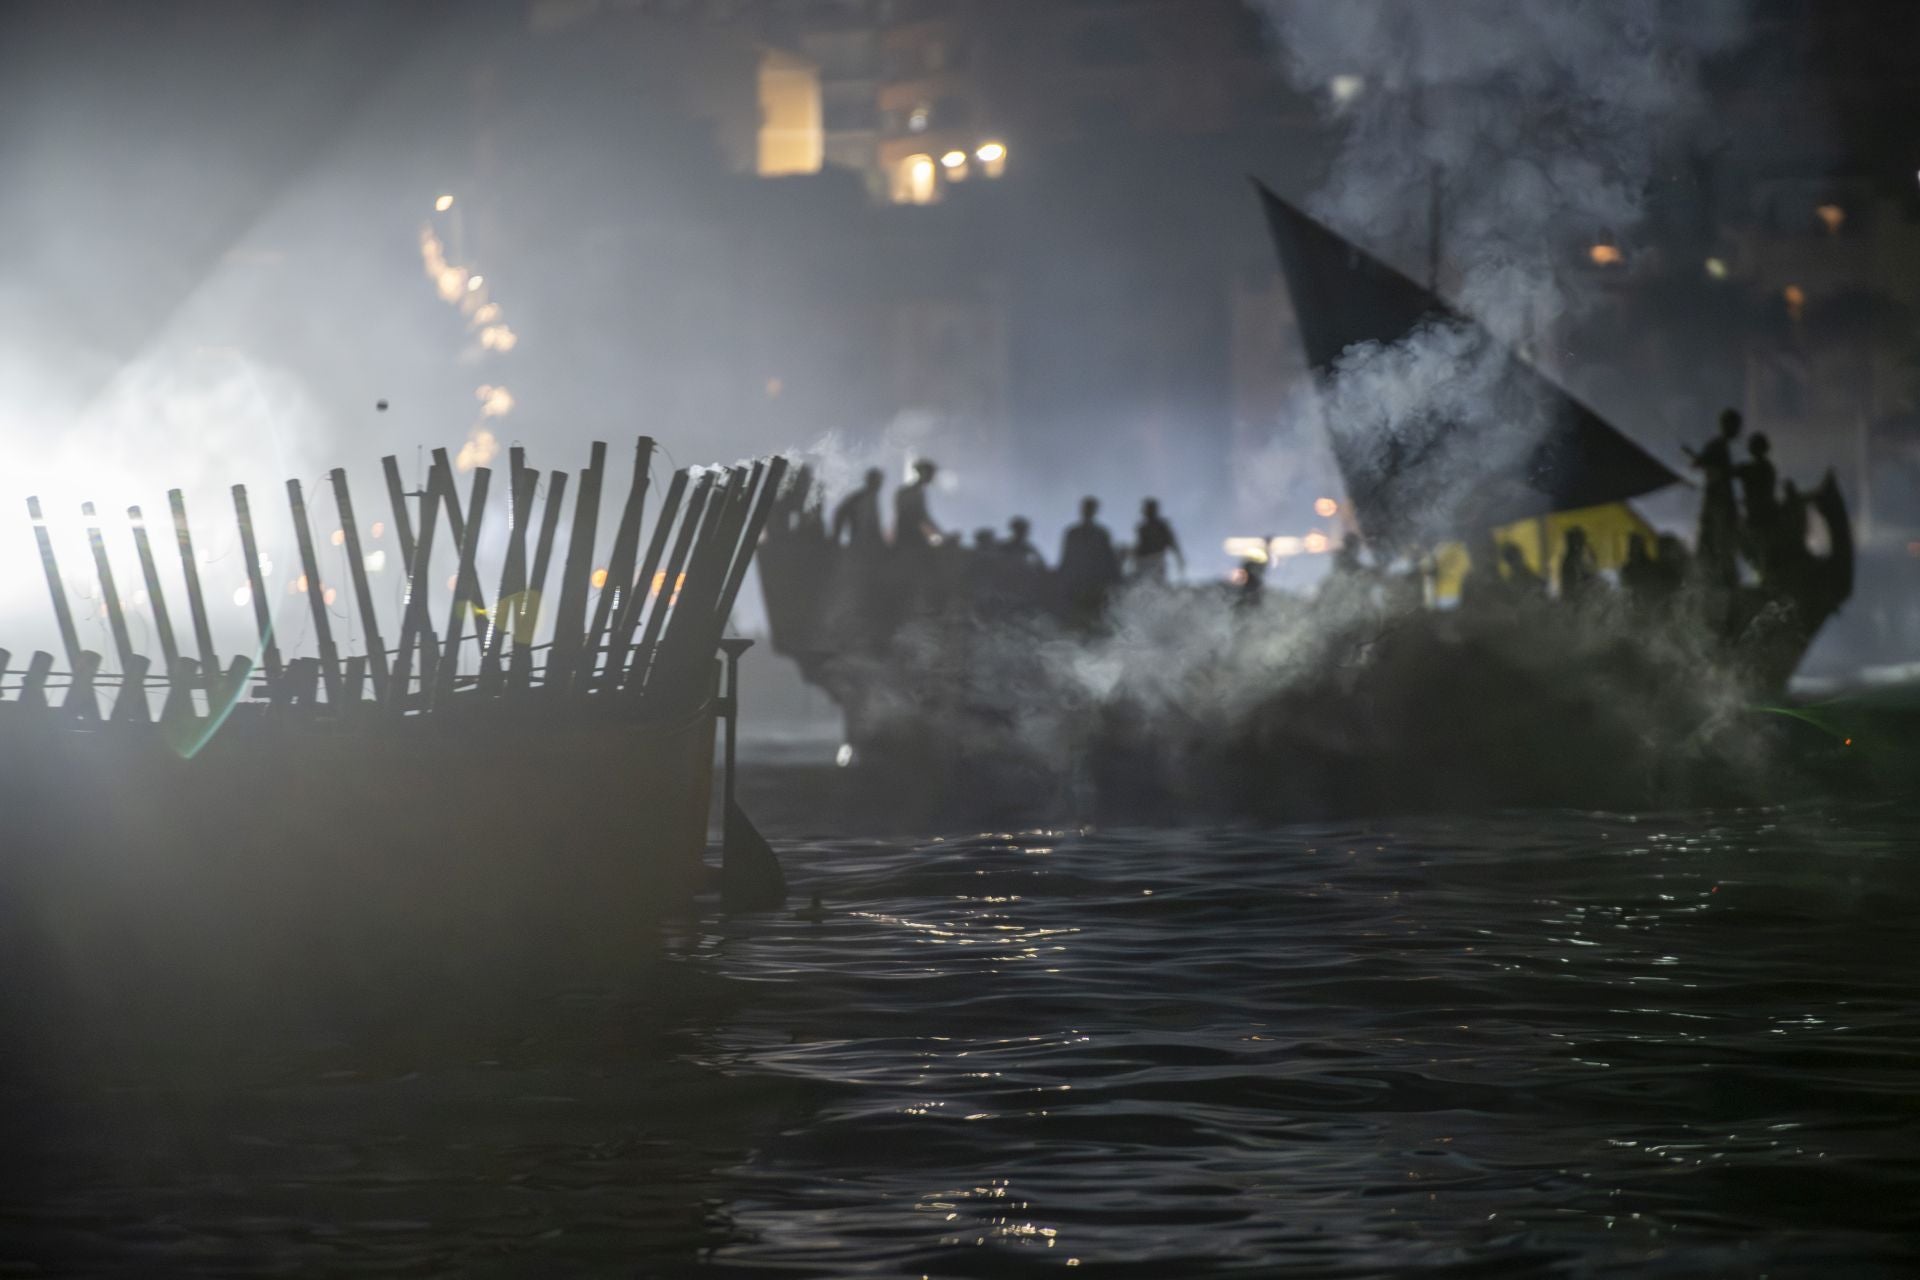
(645, 648)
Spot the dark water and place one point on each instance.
(1532, 1044)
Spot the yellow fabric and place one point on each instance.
(1608, 529)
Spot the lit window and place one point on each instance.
(919, 181)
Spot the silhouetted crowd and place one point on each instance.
(875, 579)
(920, 566)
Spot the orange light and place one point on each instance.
(328, 595)
(599, 579)
(1605, 255)
(1796, 299)
(339, 537)
(1325, 507)
(1833, 215)
(1847, 743)
(379, 528)
(1315, 542)
(300, 583)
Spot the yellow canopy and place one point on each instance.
(1608, 529)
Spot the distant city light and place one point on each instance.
(1284, 548)
(921, 185)
(599, 579)
(953, 159)
(1254, 549)
(242, 596)
(474, 282)
(498, 337)
(1716, 268)
(919, 118)
(844, 756)
(376, 561)
(300, 583)
(1315, 543)
(339, 537)
(1346, 88)
(443, 204)
(1796, 299)
(1605, 255)
(1833, 215)
(379, 529)
(1325, 507)
(991, 153)
(328, 595)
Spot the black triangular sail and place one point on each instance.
(1456, 477)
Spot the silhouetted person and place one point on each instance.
(1153, 542)
(1019, 547)
(1522, 582)
(1579, 575)
(1675, 563)
(1640, 576)
(1719, 518)
(1481, 586)
(1346, 561)
(856, 521)
(913, 527)
(1758, 501)
(1088, 566)
(1249, 583)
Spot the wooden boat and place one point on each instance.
(525, 774)
(961, 683)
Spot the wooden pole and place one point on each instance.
(190, 570)
(457, 529)
(116, 620)
(33, 689)
(156, 602)
(262, 610)
(570, 616)
(130, 704)
(81, 702)
(316, 594)
(626, 544)
(62, 612)
(640, 590)
(362, 589)
(510, 600)
(462, 604)
(397, 495)
(768, 497)
(415, 631)
(704, 500)
(528, 619)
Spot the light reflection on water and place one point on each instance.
(1578, 1044)
(1683, 1045)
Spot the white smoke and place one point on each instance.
(1539, 124)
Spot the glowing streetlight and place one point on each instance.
(443, 204)
(953, 159)
(1605, 255)
(1325, 508)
